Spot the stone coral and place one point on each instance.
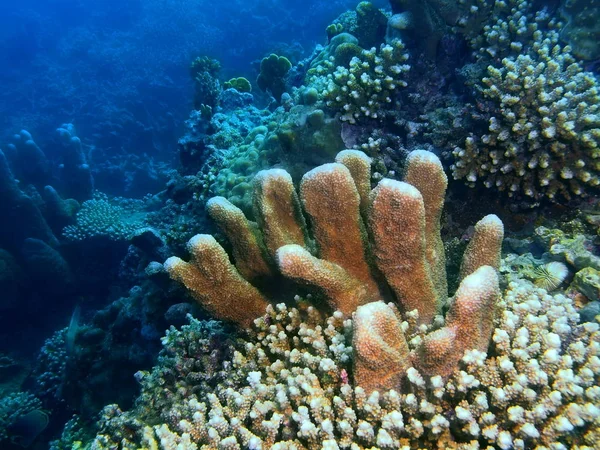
(348, 270)
(289, 387)
(116, 220)
(543, 135)
(368, 86)
(273, 70)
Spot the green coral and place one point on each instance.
(371, 24)
(587, 281)
(575, 249)
(323, 63)
(367, 23)
(298, 140)
(204, 72)
(426, 20)
(241, 84)
(273, 70)
(333, 30)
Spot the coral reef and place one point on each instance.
(241, 84)
(15, 408)
(204, 72)
(368, 86)
(288, 387)
(78, 182)
(347, 268)
(23, 217)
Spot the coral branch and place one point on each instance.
(215, 283)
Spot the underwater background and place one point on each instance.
(300, 225)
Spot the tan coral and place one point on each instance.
(485, 246)
(397, 223)
(359, 166)
(215, 283)
(381, 354)
(249, 253)
(424, 171)
(277, 209)
(332, 202)
(348, 268)
(343, 292)
(469, 324)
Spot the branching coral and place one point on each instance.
(204, 72)
(543, 137)
(398, 240)
(289, 387)
(367, 87)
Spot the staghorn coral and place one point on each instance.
(288, 387)
(543, 135)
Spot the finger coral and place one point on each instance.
(350, 262)
(341, 261)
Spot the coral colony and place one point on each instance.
(391, 243)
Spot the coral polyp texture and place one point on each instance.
(100, 217)
(351, 256)
(544, 140)
(542, 136)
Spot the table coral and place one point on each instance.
(116, 220)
